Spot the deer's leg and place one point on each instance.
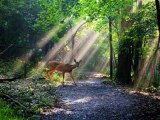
(72, 78)
(50, 74)
(47, 74)
(63, 78)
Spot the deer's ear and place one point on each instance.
(75, 60)
(80, 61)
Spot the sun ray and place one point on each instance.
(87, 46)
(78, 45)
(43, 41)
(60, 45)
(40, 44)
(91, 54)
(102, 66)
(148, 67)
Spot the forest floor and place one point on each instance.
(92, 100)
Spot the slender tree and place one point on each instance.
(111, 48)
(158, 20)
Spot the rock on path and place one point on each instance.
(91, 100)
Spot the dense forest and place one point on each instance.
(113, 44)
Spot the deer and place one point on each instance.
(61, 67)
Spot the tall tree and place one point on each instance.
(100, 11)
(125, 56)
(111, 48)
(135, 40)
(158, 20)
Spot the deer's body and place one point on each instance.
(61, 67)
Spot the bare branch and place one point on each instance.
(6, 49)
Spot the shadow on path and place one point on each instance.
(91, 100)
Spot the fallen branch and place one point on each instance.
(8, 97)
(15, 101)
(10, 80)
(6, 49)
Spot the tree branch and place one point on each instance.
(6, 49)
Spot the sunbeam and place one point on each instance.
(87, 46)
(102, 65)
(59, 46)
(80, 42)
(42, 42)
(92, 53)
(148, 68)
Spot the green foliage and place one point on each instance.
(16, 68)
(154, 88)
(11, 68)
(7, 113)
(39, 74)
(32, 95)
(55, 14)
(56, 78)
(102, 10)
(61, 10)
(36, 74)
(142, 30)
(17, 18)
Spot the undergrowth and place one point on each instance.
(6, 113)
(29, 97)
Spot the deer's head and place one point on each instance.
(77, 63)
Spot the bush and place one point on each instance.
(56, 78)
(36, 74)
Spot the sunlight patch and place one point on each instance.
(82, 100)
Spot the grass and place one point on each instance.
(33, 96)
(6, 113)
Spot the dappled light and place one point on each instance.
(144, 94)
(81, 100)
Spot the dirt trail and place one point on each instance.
(91, 100)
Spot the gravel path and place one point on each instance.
(91, 100)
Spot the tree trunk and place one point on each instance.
(137, 57)
(125, 57)
(158, 19)
(73, 41)
(111, 50)
(124, 65)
